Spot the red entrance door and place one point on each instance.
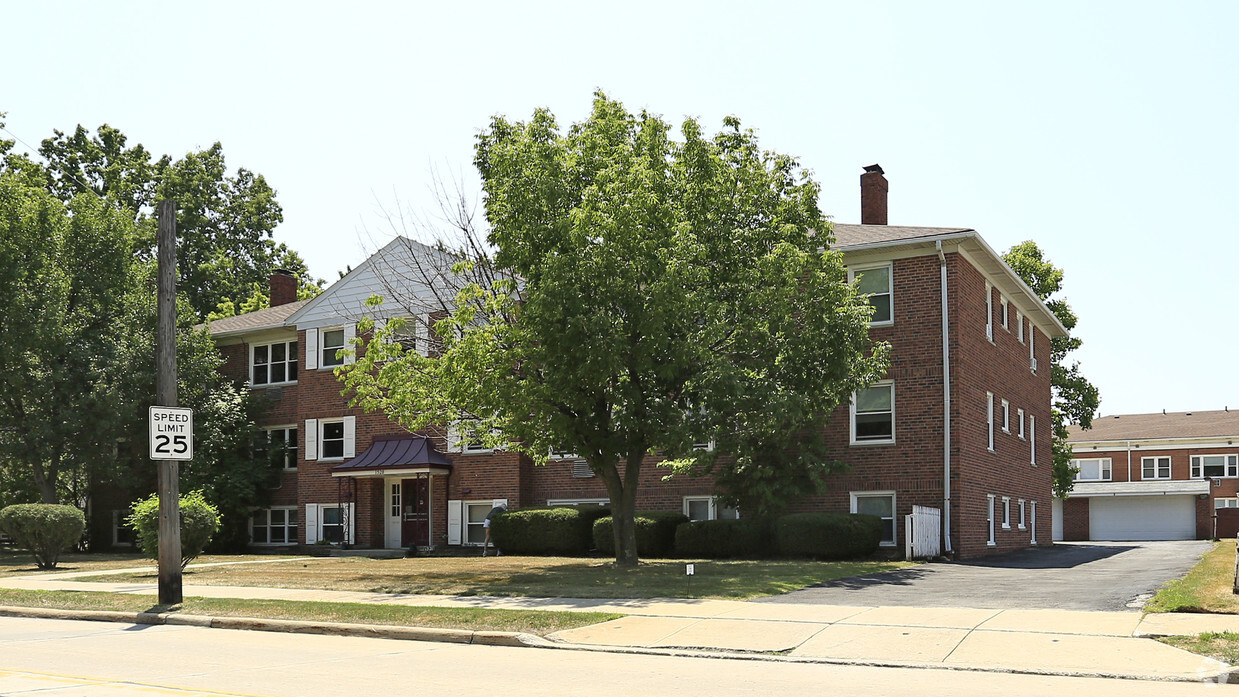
(415, 523)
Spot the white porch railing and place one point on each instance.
(923, 527)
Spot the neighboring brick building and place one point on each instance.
(1154, 477)
(359, 478)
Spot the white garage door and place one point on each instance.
(1142, 518)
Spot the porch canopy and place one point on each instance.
(395, 455)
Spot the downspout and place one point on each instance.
(946, 409)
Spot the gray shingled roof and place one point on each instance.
(270, 318)
(1191, 424)
(848, 235)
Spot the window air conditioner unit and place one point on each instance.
(1032, 364)
(1217, 481)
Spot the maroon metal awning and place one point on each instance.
(394, 455)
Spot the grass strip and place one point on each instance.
(1206, 587)
(1224, 646)
(538, 622)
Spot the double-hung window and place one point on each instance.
(274, 526)
(1155, 467)
(989, 312)
(1006, 416)
(875, 283)
(332, 343)
(989, 519)
(707, 508)
(330, 439)
(880, 504)
(1006, 513)
(1225, 466)
(1020, 416)
(282, 447)
(273, 364)
(1019, 326)
(1004, 310)
(873, 414)
(1032, 438)
(1092, 469)
(989, 420)
(1022, 526)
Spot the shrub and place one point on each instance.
(655, 533)
(43, 528)
(199, 521)
(721, 539)
(827, 535)
(546, 530)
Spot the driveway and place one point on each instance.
(1067, 576)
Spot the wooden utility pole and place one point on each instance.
(165, 395)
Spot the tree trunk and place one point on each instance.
(623, 493)
(45, 480)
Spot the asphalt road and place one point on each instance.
(62, 658)
(1066, 576)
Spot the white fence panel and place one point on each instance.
(924, 532)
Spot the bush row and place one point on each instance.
(575, 530)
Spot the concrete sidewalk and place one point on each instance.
(1052, 642)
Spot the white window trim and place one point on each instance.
(1105, 469)
(1156, 466)
(314, 521)
(890, 287)
(1006, 416)
(1020, 413)
(296, 447)
(1006, 513)
(854, 495)
(1032, 522)
(457, 443)
(1032, 439)
(713, 509)
(321, 348)
(989, 420)
(464, 518)
(1004, 312)
(989, 520)
(314, 438)
(289, 540)
(1231, 502)
(290, 358)
(578, 502)
(1019, 326)
(118, 522)
(1032, 351)
(989, 312)
(1231, 467)
(1022, 526)
(554, 456)
(852, 419)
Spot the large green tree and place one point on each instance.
(643, 290)
(1075, 399)
(225, 220)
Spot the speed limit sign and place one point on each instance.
(172, 433)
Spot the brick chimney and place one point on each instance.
(283, 287)
(873, 186)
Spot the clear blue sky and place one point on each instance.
(1105, 131)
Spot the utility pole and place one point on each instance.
(165, 395)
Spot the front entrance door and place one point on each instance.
(415, 523)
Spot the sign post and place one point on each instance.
(165, 396)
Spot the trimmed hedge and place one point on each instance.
(655, 533)
(827, 535)
(43, 528)
(721, 539)
(199, 522)
(546, 530)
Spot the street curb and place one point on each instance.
(374, 631)
(520, 639)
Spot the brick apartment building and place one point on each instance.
(961, 423)
(1165, 476)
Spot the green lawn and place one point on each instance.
(568, 577)
(1205, 588)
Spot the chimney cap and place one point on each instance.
(283, 272)
(875, 167)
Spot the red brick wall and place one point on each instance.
(1075, 519)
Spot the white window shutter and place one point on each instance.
(311, 523)
(350, 436)
(455, 512)
(311, 439)
(422, 333)
(350, 522)
(350, 333)
(311, 349)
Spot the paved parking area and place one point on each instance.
(1067, 575)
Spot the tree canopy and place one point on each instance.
(1075, 399)
(646, 293)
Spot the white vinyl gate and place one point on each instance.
(924, 532)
